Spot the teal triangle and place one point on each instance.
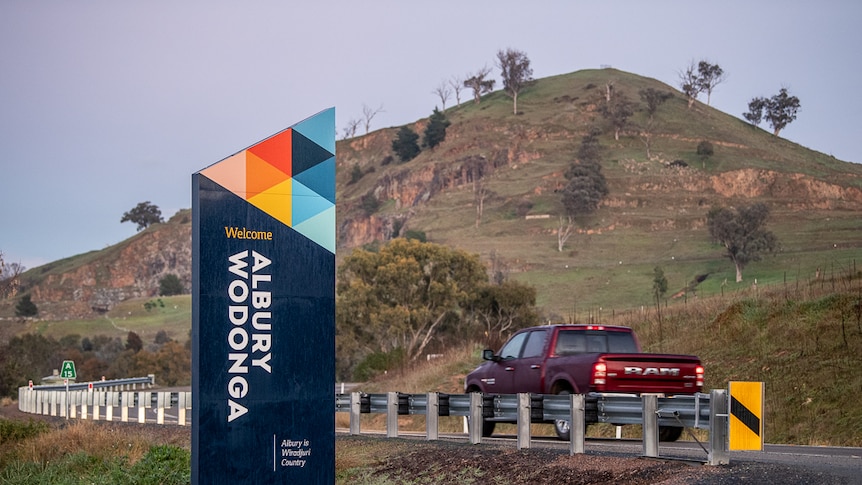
(306, 203)
(320, 129)
(320, 229)
(320, 179)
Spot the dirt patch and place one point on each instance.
(445, 462)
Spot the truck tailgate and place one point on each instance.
(658, 373)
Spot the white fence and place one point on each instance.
(126, 406)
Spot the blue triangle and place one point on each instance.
(306, 203)
(320, 178)
(320, 129)
(320, 229)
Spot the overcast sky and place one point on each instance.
(105, 104)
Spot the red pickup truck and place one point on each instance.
(565, 359)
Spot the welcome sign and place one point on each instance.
(263, 321)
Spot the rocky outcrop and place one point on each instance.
(131, 269)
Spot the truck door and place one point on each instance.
(528, 374)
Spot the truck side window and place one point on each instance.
(512, 349)
(535, 344)
(570, 343)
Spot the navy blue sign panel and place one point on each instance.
(263, 324)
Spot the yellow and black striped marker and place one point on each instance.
(746, 416)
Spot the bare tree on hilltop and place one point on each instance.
(457, 85)
(653, 99)
(443, 91)
(516, 72)
(689, 84)
(9, 277)
(369, 113)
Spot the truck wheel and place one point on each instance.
(488, 428)
(563, 429)
(562, 426)
(669, 433)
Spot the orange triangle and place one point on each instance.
(276, 150)
(260, 175)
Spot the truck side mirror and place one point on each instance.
(488, 354)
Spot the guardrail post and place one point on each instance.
(391, 414)
(355, 412)
(524, 409)
(97, 402)
(183, 403)
(476, 408)
(432, 409)
(86, 397)
(161, 404)
(718, 422)
(143, 404)
(110, 402)
(650, 426)
(577, 425)
(126, 401)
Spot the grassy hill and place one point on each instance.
(654, 215)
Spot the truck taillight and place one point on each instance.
(699, 371)
(600, 374)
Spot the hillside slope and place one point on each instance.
(95, 282)
(654, 215)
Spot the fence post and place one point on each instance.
(577, 425)
(524, 411)
(718, 419)
(355, 406)
(650, 426)
(432, 410)
(476, 411)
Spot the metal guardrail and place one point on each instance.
(703, 411)
(130, 383)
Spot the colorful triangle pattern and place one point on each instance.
(290, 176)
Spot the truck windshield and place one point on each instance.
(571, 342)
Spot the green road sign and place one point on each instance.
(68, 370)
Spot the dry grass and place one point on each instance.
(81, 436)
